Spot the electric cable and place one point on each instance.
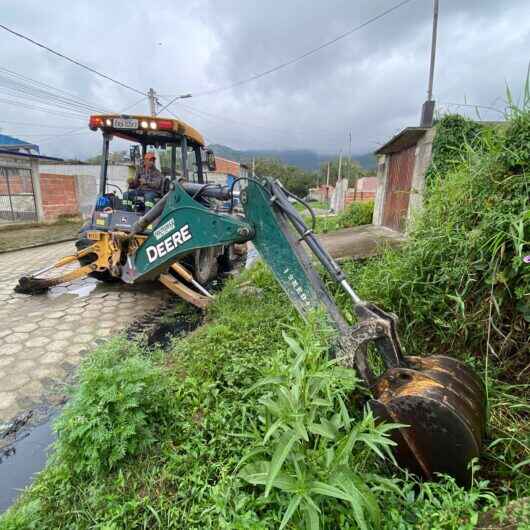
(487, 107)
(74, 61)
(34, 86)
(290, 61)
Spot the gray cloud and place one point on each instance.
(372, 83)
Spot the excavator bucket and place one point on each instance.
(443, 403)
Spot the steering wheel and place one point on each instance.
(117, 187)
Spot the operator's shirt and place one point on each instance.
(150, 180)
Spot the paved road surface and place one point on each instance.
(42, 338)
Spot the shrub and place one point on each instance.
(453, 133)
(461, 281)
(355, 214)
(121, 405)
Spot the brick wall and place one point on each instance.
(59, 195)
(359, 196)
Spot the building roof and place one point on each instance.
(403, 140)
(12, 143)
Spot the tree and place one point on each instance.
(296, 180)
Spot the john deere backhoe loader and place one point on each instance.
(440, 399)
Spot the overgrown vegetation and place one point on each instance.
(461, 285)
(314, 448)
(355, 214)
(245, 432)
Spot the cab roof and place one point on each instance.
(145, 129)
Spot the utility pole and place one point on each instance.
(427, 111)
(152, 101)
(327, 177)
(340, 165)
(350, 167)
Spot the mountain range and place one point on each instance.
(303, 158)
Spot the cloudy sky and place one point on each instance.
(371, 83)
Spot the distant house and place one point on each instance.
(364, 190)
(226, 171)
(12, 144)
(26, 192)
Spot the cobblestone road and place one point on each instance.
(42, 338)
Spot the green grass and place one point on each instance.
(355, 214)
(156, 439)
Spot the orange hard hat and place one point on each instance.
(149, 155)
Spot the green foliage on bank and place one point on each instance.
(355, 214)
(196, 447)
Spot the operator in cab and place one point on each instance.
(146, 187)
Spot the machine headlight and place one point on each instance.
(108, 122)
(144, 124)
(153, 125)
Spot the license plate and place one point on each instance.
(123, 123)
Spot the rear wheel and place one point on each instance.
(232, 256)
(102, 276)
(205, 264)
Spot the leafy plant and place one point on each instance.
(118, 411)
(441, 505)
(314, 450)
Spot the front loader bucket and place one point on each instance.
(443, 403)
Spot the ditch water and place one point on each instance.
(24, 448)
(22, 459)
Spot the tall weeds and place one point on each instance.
(314, 452)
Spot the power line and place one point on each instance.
(293, 60)
(27, 106)
(27, 94)
(20, 79)
(487, 107)
(33, 124)
(74, 61)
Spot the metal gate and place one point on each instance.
(399, 180)
(17, 196)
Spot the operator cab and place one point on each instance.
(183, 158)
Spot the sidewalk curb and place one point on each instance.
(38, 245)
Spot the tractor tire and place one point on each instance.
(232, 257)
(205, 264)
(104, 276)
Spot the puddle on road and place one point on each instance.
(77, 289)
(22, 460)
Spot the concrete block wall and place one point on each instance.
(87, 178)
(59, 195)
(421, 164)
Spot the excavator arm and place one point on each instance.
(440, 399)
